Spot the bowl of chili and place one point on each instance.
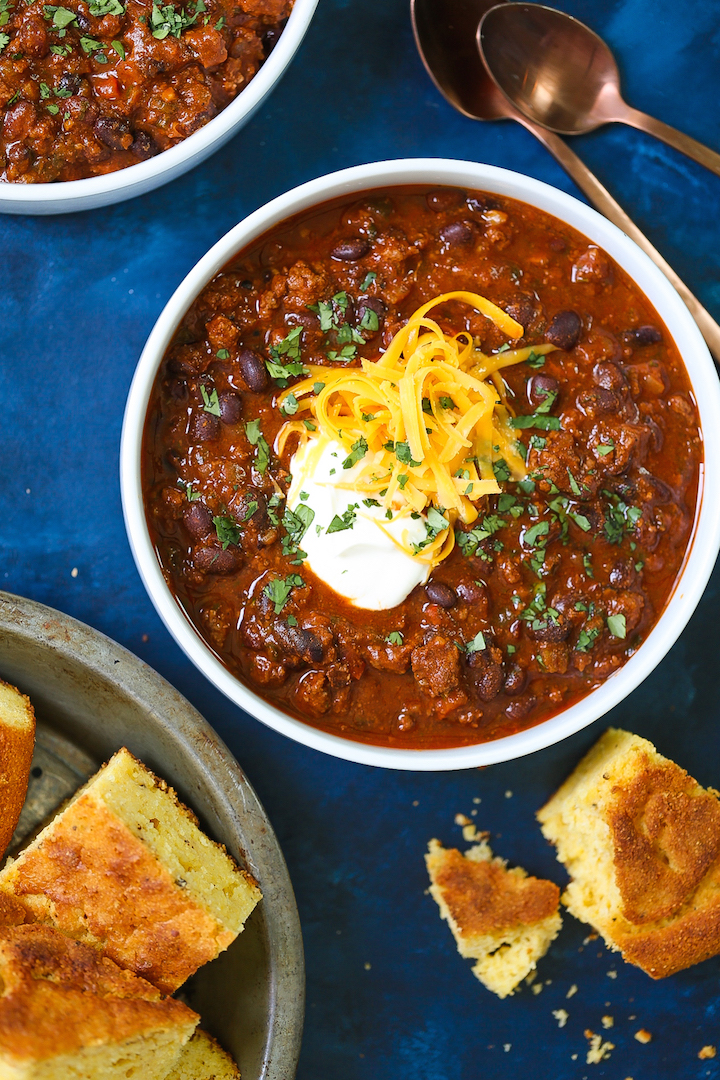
(582, 538)
(109, 99)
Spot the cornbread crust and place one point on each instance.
(65, 1010)
(641, 840)
(204, 1059)
(502, 918)
(17, 742)
(125, 868)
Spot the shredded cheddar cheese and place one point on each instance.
(424, 424)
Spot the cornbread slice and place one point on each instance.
(502, 918)
(17, 741)
(126, 868)
(68, 1013)
(641, 840)
(204, 1059)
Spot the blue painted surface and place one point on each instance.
(388, 996)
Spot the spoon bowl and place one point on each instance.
(558, 73)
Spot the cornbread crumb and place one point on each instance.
(612, 974)
(537, 988)
(508, 794)
(125, 868)
(643, 1036)
(641, 840)
(506, 1047)
(470, 833)
(707, 1052)
(572, 991)
(598, 1050)
(561, 1015)
(607, 1021)
(17, 742)
(462, 819)
(501, 918)
(477, 801)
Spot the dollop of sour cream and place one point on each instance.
(363, 562)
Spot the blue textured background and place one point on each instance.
(388, 996)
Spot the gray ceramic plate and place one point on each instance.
(91, 696)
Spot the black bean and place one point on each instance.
(609, 376)
(351, 250)
(307, 319)
(445, 199)
(113, 131)
(204, 427)
(518, 710)
(73, 83)
(306, 644)
(622, 574)
(177, 390)
(480, 204)
(213, 560)
(440, 593)
(642, 335)
(271, 37)
(253, 371)
(486, 674)
(456, 233)
(564, 330)
(197, 519)
(143, 146)
(598, 401)
(230, 407)
(539, 388)
(515, 680)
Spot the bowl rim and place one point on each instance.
(136, 179)
(699, 558)
(68, 642)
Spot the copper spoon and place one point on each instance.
(559, 73)
(445, 35)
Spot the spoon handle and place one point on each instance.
(603, 201)
(682, 142)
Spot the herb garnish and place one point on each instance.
(227, 529)
(395, 638)
(617, 626)
(166, 20)
(477, 643)
(358, 451)
(98, 8)
(296, 524)
(279, 590)
(257, 439)
(281, 370)
(345, 521)
(210, 401)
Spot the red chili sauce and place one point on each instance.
(91, 86)
(563, 574)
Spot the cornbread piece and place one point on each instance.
(17, 741)
(641, 840)
(204, 1059)
(502, 918)
(68, 1013)
(126, 868)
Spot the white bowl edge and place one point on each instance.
(69, 196)
(706, 541)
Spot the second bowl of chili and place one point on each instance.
(547, 569)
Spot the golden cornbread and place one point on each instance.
(125, 867)
(204, 1059)
(68, 1013)
(17, 742)
(641, 840)
(502, 918)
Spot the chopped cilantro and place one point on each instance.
(606, 448)
(341, 522)
(222, 354)
(533, 534)
(402, 453)
(402, 480)
(348, 352)
(309, 425)
(370, 321)
(369, 278)
(256, 438)
(290, 405)
(191, 495)
(61, 17)
(90, 45)
(501, 470)
(426, 405)
(574, 486)
(4, 39)
(227, 529)
(587, 564)
(210, 402)
(358, 451)
(59, 50)
(279, 590)
(166, 20)
(296, 524)
(395, 638)
(98, 8)
(536, 420)
(617, 626)
(535, 360)
(285, 359)
(586, 638)
(291, 620)
(619, 518)
(54, 109)
(318, 386)
(477, 643)
(580, 520)
(251, 509)
(272, 506)
(447, 402)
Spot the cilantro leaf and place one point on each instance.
(279, 590)
(345, 521)
(227, 529)
(536, 420)
(280, 369)
(98, 8)
(617, 625)
(395, 638)
(256, 438)
(369, 278)
(533, 534)
(477, 643)
(210, 402)
(289, 405)
(296, 524)
(358, 451)
(535, 360)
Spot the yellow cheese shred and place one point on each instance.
(425, 422)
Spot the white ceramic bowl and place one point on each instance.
(699, 561)
(71, 195)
